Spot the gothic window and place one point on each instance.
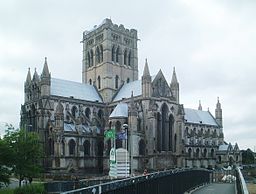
(51, 146)
(63, 147)
(86, 148)
(101, 53)
(129, 58)
(141, 147)
(170, 136)
(90, 81)
(219, 159)
(159, 135)
(190, 153)
(118, 126)
(205, 153)
(97, 55)
(212, 153)
(116, 82)
(125, 57)
(73, 111)
(99, 82)
(91, 57)
(128, 80)
(113, 54)
(197, 153)
(175, 143)
(87, 112)
(117, 54)
(71, 146)
(88, 59)
(139, 123)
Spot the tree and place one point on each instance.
(6, 158)
(27, 151)
(248, 157)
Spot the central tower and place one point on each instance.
(110, 57)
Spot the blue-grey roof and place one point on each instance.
(77, 90)
(199, 117)
(121, 110)
(127, 89)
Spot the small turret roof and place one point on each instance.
(35, 76)
(120, 111)
(28, 80)
(174, 77)
(45, 72)
(146, 70)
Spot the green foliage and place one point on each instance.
(6, 162)
(248, 157)
(6, 191)
(30, 189)
(27, 151)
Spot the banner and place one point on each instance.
(122, 135)
(110, 134)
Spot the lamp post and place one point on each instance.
(125, 127)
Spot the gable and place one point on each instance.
(160, 87)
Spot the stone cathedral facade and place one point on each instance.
(71, 117)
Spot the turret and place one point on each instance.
(218, 113)
(146, 81)
(200, 106)
(175, 86)
(45, 80)
(59, 116)
(27, 85)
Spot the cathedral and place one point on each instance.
(71, 117)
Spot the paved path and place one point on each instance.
(219, 188)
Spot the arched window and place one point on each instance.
(71, 146)
(99, 82)
(108, 146)
(205, 153)
(90, 81)
(116, 82)
(197, 153)
(128, 80)
(73, 111)
(117, 54)
(190, 153)
(219, 159)
(88, 59)
(113, 54)
(175, 143)
(87, 112)
(63, 147)
(91, 57)
(101, 53)
(129, 58)
(125, 57)
(118, 126)
(97, 55)
(141, 147)
(51, 146)
(212, 153)
(87, 146)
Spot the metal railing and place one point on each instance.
(171, 181)
(240, 182)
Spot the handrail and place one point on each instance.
(240, 182)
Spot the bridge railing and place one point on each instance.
(171, 181)
(240, 182)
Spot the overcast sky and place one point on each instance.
(212, 45)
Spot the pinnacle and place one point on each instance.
(45, 72)
(28, 80)
(146, 70)
(174, 77)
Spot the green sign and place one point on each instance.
(110, 134)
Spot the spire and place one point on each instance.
(146, 70)
(59, 108)
(218, 113)
(35, 76)
(45, 72)
(200, 106)
(28, 80)
(174, 78)
(218, 105)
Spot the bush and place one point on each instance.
(30, 189)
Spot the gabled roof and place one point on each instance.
(199, 117)
(120, 111)
(127, 89)
(65, 88)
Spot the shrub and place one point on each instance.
(30, 189)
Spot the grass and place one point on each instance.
(6, 191)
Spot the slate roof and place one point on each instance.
(127, 89)
(121, 110)
(199, 117)
(65, 88)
